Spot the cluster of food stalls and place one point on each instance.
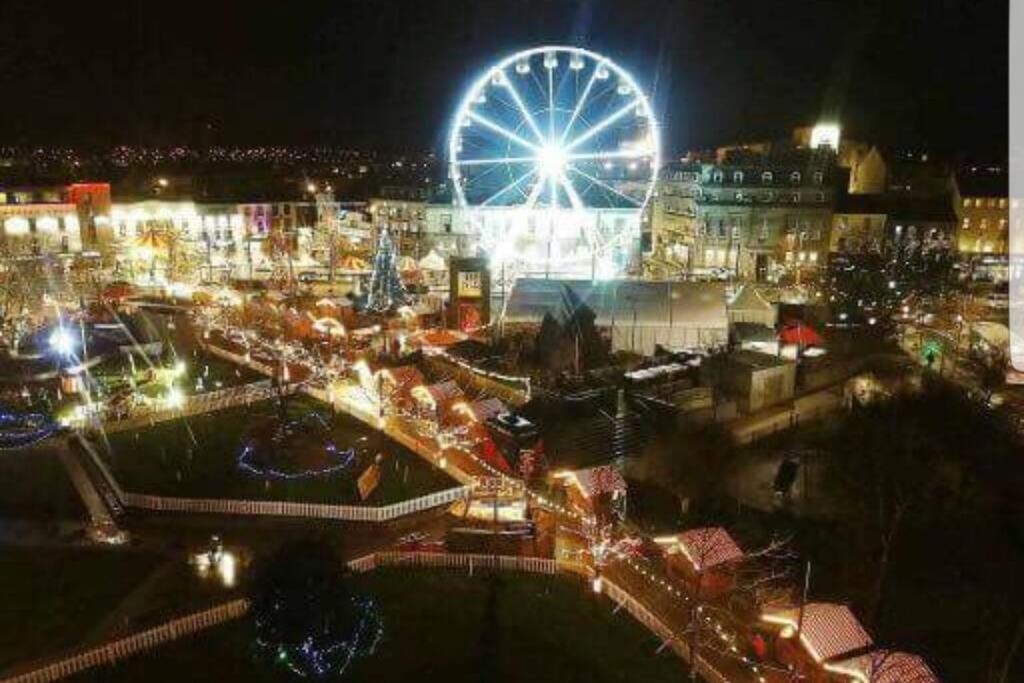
(818, 642)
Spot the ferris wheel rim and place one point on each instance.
(480, 83)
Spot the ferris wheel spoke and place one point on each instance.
(580, 102)
(606, 186)
(574, 197)
(499, 160)
(500, 130)
(617, 154)
(602, 124)
(515, 183)
(551, 104)
(522, 108)
(534, 195)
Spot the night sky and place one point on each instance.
(386, 73)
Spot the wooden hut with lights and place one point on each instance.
(703, 558)
(813, 638)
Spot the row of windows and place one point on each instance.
(991, 203)
(722, 231)
(983, 224)
(767, 177)
(769, 196)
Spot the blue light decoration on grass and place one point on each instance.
(345, 460)
(337, 460)
(24, 429)
(326, 654)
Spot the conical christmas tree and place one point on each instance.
(386, 290)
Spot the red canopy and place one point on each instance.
(801, 335)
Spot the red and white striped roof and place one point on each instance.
(828, 630)
(885, 666)
(708, 547)
(594, 481)
(485, 409)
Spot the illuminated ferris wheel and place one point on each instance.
(554, 128)
(553, 152)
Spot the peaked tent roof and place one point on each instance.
(653, 303)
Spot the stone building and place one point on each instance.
(982, 206)
(754, 215)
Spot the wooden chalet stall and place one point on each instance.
(435, 400)
(396, 384)
(883, 666)
(812, 640)
(596, 491)
(703, 558)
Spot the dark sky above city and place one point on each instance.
(387, 73)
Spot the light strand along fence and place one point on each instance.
(113, 651)
(270, 508)
(195, 404)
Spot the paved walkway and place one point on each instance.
(99, 514)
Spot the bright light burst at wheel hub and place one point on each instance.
(553, 153)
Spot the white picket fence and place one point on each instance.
(440, 560)
(196, 404)
(270, 508)
(109, 653)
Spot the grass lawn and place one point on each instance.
(52, 597)
(196, 458)
(35, 485)
(446, 626)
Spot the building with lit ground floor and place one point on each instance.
(632, 315)
(983, 223)
(61, 220)
(754, 215)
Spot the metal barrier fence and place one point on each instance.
(111, 652)
(352, 513)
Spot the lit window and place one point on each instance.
(789, 257)
(794, 177)
(967, 202)
(766, 177)
(718, 176)
(1002, 203)
(737, 177)
(735, 232)
(966, 224)
(814, 257)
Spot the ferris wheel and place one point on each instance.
(554, 128)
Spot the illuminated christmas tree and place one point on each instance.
(386, 290)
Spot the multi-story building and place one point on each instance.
(982, 206)
(921, 226)
(62, 220)
(752, 214)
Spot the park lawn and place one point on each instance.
(52, 596)
(34, 485)
(437, 627)
(195, 457)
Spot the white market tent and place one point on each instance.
(637, 315)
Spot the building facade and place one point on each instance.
(983, 223)
(61, 220)
(751, 215)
